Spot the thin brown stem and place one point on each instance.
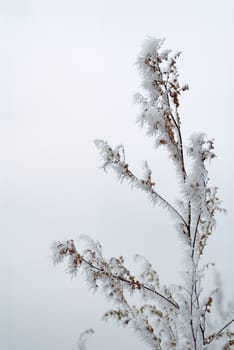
(189, 219)
(181, 144)
(176, 123)
(178, 131)
(202, 330)
(170, 207)
(226, 325)
(193, 334)
(149, 188)
(214, 336)
(195, 235)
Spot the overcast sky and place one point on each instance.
(67, 77)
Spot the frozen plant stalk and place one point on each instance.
(171, 318)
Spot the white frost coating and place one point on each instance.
(179, 317)
(151, 46)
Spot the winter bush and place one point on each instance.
(180, 316)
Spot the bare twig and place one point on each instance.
(195, 234)
(222, 329)
(214, 336)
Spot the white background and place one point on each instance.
(67, 77)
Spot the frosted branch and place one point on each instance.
(112, 159)
(102, 270)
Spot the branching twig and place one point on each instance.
(145, 185)
(215, 335)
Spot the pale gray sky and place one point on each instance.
(67, 77)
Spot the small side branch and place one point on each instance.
(217, 334)
(222, 329)
(113, 159)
